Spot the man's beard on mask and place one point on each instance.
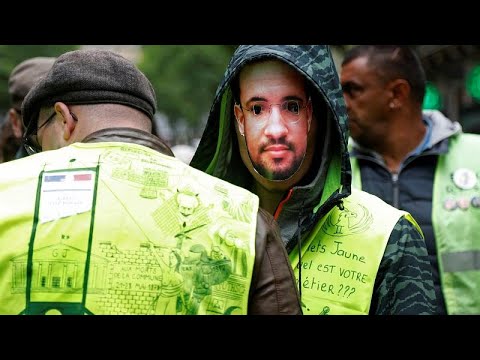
(280, 174)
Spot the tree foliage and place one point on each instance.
(185, 78)
(12, 55)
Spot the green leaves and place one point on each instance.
(185, 78)
(12, 55)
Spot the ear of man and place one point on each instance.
(16, 121)
(240, 117)
(68, 122)
(400, 90)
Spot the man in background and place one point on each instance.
(21, 80)
(417, 161)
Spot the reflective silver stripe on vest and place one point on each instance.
(461, 261)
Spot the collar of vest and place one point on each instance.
(129, 135)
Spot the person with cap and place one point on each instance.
(93, 224)
(21, 80)
(419, 161)
(278, 128)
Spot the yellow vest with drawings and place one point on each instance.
(114, 228)
(340, 259)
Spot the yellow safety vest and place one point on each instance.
(341, 257)
(114, 228)
(455, 221)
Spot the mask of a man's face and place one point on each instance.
(274, 117)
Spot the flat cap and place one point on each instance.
(25, 75)
(91, 76)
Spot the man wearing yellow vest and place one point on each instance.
(417, 161)
(104, 220)
(278, 128)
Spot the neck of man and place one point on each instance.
(269, 199)
(405, 133)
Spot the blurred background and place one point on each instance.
(185, 78)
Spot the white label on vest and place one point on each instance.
(65, 194)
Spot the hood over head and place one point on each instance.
(329, 177)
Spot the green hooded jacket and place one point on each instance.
(404, 282)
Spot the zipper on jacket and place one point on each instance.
(395, 176)
(396, 190)
(280, 206)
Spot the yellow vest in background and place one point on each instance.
(456, 224)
